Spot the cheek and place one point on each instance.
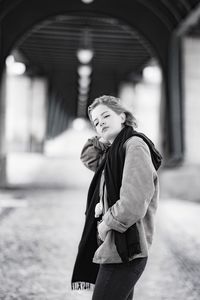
(97, 129)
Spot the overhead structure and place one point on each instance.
(121, 37)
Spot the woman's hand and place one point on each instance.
(103, 230)
(98, 209)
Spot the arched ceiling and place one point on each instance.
(53, 44)
(125, 35)
(119, 52)
(155, 20)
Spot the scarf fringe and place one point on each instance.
(82, 286)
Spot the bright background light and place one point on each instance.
(83, 90)
(79, 124)
(84, 70)
(87, 1)
(13, 67)
(85, 55)
(84, 82)
(152, 74)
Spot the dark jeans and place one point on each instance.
(117, 281)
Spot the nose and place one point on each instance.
(102, 122)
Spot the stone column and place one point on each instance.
(143, 100)
(173, 107)
(38, 114)
(2, 132)
(192, 103)
(183, 182)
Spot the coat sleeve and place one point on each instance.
(137, 189)
(93, 152)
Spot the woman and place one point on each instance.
(121, 204)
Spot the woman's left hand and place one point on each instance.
(103, 230)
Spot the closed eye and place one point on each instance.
(104, 116)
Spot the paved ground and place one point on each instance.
(41, 218)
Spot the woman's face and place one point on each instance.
(107, 122)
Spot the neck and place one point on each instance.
(112, 140)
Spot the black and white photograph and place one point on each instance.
(99, 149)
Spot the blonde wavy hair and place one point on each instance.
(114, 104)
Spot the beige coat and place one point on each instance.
(138, 196)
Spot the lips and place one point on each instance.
(104, 129)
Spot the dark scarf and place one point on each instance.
(127, 243)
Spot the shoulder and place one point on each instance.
(136, 142)
(137, 152)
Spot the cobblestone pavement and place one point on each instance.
(41, 221)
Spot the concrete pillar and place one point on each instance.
(173, 107)
(144, 100)
(18, 96)
(3, 179)
(192, 103)
(183, 182)
(26, 113)
(38, 114)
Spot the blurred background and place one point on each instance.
(55, 58)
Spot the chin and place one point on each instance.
(106, 139)
(109, 139)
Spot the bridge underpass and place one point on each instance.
(32, 180)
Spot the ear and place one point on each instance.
(123, 118)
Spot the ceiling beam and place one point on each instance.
(190, 21)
